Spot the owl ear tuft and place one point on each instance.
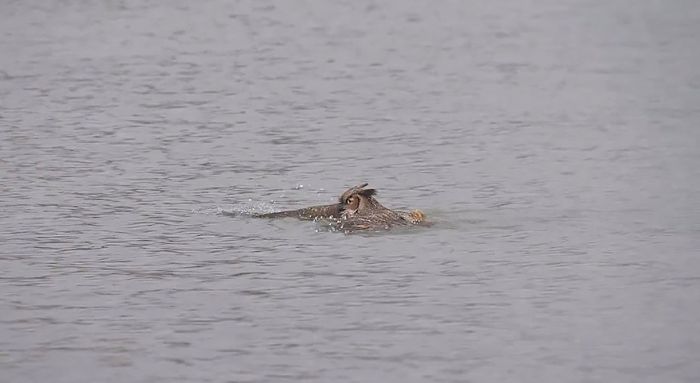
(368, 192)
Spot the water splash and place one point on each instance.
(244, 208)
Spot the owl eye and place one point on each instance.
(352, 203)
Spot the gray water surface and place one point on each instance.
(554, 144)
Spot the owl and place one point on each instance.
(356, 210)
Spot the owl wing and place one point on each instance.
(308, 213)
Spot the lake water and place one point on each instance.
(553, 144)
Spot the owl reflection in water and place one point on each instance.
(356, 210)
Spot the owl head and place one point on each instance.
(357, 199)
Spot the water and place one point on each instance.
(554, 144)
